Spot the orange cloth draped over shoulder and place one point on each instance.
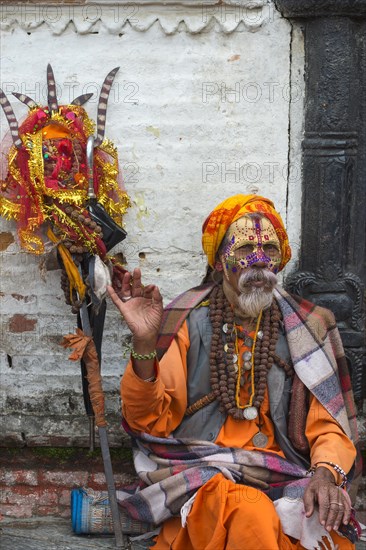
(230, 210)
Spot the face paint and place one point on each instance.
(250, 240)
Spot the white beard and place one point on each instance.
(253, 303)
(252, 300)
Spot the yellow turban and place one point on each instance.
(230, 210)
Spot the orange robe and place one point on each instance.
(219, 518)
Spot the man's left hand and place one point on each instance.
(334, 503)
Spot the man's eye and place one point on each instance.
(244, 251)
(270, 249)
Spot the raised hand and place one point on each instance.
(142, 309)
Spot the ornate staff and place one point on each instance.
(62, 190)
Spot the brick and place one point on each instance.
(66, 513)
(20, 323)
(18, 477)
(66, 479)
(4, 493)
(124, 478)
(97, 479)
(64, 497)
(11, 439)
(22, 494)
(47, 511)
(16, 511)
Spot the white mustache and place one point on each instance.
(254, 275)
(253, 299)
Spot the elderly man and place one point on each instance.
(237, 400)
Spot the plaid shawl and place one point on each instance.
(175, 314)
(314, 343)
(172, 470)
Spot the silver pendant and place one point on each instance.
(235, 365)
(260, 440)
(250, 413)
(248, 341)
(225, 327)
(247, 355)
(247, 365)
(260, 334)
(235, 358)
(226, 347)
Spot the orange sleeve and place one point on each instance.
(158, 407)
(327, 440)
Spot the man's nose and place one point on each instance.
(260, 263)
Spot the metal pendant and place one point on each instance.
(260, 334)
(248, 341)
(247, 355)
(236, 367)
(226, 348)
(247, 365)
(235, 358)
(260, 440)
(250, 413)
(225, 327)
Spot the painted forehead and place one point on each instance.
(251, 230)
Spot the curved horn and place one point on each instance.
(81, 99)
(51, 85)
(12, 121)
(28, 101)
(102, 105)
(90, 162)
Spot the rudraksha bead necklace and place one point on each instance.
(227, 368)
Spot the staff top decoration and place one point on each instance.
(47, 179)
(62, 189)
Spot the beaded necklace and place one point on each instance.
(224, 356)
(225, 365)
(246, 362)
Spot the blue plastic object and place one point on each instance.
(90, 512)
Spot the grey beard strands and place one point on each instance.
(251, 299)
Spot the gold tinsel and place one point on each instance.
(8, 209)
(45, 203)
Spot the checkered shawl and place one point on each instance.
(172, 470)
(314, 343)
(175, 314)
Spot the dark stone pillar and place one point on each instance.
(332, 267)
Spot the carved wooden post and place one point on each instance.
(332, 266)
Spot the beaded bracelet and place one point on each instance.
(339, 471)
(143, 356)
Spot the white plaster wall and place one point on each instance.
(199, 111)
